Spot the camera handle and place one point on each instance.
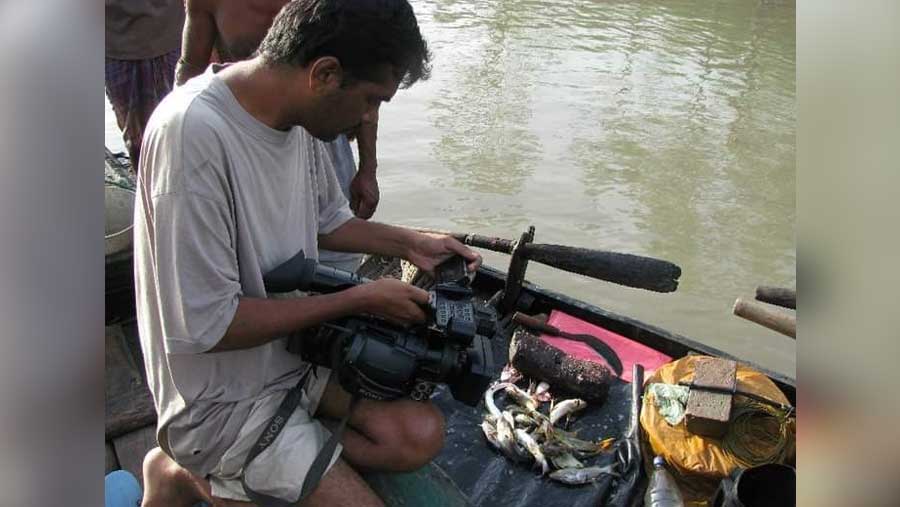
(300, 273)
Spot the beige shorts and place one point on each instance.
(280, 469)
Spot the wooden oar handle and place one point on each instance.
(535, 324)
(771, 318)
(786, 298)
(488, 243)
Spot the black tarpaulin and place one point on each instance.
(490, 479)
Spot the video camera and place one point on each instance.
(384, 361)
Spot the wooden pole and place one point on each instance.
(786, 298)
(776, 320)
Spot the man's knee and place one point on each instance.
(406, 434)
(422, 436)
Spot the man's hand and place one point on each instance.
(393, 300)
(429, 250)
(364, 193)
(424, 250)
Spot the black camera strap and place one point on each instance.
(288, 405)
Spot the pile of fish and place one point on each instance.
(524, 434)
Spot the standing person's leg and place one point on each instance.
(135, 88)
(120, 84)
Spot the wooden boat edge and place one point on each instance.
(671, 343)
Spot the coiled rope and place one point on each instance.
(760, 433)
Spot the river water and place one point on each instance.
(661, 128)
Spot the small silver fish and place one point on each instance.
(505, 435)
(528, 404)
(510, 374)
(507, 439)
(544, 430)
(565, 408)
(524, 420)
(566, 460)
(579, 446)
(554, 448)
(507, 416)
(521, 397)
(542, 392)
(489, 398)
(490, 433)
(526, 440)
(576, 476)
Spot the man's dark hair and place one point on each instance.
(361, 34)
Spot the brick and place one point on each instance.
(708, 412)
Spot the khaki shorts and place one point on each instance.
(280, 469)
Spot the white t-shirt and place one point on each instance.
(222, 199)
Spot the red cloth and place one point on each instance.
(630, 352)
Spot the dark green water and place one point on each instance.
(663, 128)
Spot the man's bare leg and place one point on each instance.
(399, 436)
(396, 436)
(342, 487)
(167, 484)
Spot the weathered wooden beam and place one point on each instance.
(565, 374)
(112, 463)
(129, 405)
(786, 298)
(763, 315)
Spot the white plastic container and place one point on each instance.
(119, 220)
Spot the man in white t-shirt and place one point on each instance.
(235, 180)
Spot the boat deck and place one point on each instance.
(468, 471)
